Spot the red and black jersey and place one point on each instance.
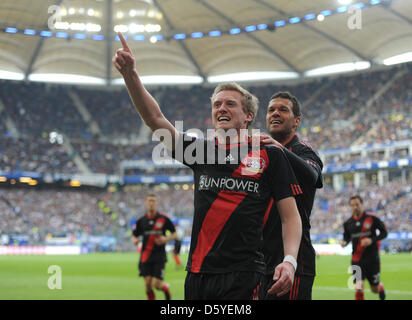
(150, 229)
(233, 187)
(366, 226)
(307, 167)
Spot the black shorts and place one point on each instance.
(301, 288)
(237, 285)
(178, 246)
(369, 270)
(152, 269)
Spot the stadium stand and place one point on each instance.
(342, 117)
(336, 118)
(112, 110)
(36, 108)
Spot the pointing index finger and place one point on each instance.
(123, 41)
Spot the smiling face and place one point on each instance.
(280, 119)
(228, 111)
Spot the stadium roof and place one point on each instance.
(200, 39)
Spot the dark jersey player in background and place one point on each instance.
(283, 118)
(365, 230)
(153, 226)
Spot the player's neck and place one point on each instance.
(229, 139)
(151, 213)
(284, 139)
(357, 216)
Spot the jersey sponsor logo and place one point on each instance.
(150, 232)
(227, 183)
(361, 234)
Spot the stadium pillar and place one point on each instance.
(338, 182)
(383, 177)
(359, 179)
(109, 36)
(404, 175)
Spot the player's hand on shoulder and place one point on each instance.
(266, 139)
(284, 275)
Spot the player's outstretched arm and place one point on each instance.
(144, 103)
(292, 234)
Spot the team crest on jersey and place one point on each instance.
(159, 224)
(367, 224)
(254, 164)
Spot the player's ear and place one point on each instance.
(297, 122)
(249, 117)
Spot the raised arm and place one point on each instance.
(145, 104)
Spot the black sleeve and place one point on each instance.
(189, 150)
(169, 225)
(379, 225)
(307, 167)
(281, 176)
(137, 230)
(346, 234)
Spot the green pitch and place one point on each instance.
(114, 276)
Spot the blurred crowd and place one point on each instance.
(34, 155)
(335, 115)
(112, 110)
(58, 212)
(338, 112)
(38, 108)
(62, 211)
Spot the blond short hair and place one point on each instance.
(249, 101)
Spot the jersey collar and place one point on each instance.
(231, 146)
(360, 217)
(291, 141)
(151, 218)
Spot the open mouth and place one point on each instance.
(275, 122)
(223, 119)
